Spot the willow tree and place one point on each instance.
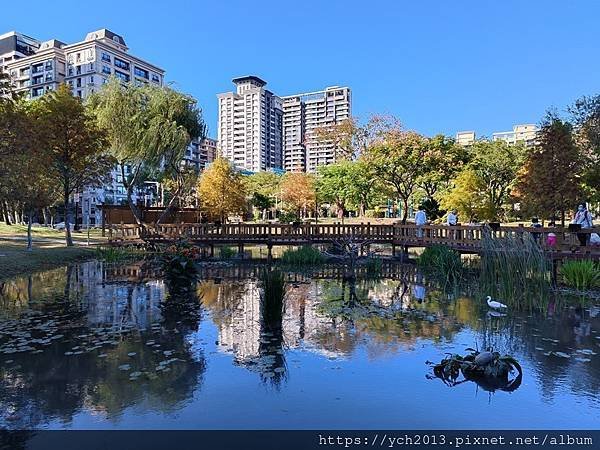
(149, 129)
(221, 190)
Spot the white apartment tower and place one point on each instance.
(250, 126)
(303, 114)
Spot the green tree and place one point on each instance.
(263, 188)
(550, 181)
(75, 145)
(397, 160)
(333, 185)
(495, 165)
(149, 129)
(585, 114)
(484, 185)
(442, 161)
(221, 190)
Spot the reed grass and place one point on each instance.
(442, 262)
(515, 269)
(116, 254)
(581, 275)
(303, 256)
(227, 252)
(274, 287)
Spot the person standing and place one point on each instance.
(452, 218)
(583, 218)
(420, 220)
(452, 221)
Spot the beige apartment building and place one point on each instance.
(303, 114)
(465, 138)
(38, 67)
(525, 133)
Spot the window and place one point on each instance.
(155, 78)
(106, 70)
(140, 72)
(121, 64)
(122, 76)
(105, 57)
(78, 82)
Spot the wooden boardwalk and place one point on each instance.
(465, 238)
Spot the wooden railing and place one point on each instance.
(464, 238)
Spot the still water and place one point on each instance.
(94, 346)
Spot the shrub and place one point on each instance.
(227, 252)
(305, 255)
(443, 262)
(581, 275)
(116, 254)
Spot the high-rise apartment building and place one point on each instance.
(250, 126)
(15, 46)
(525, 133)
(36, 68)
(465, 138)
(84, 65)
(303, 115)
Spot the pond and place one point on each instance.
(97, 346)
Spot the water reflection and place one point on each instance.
(113, 343)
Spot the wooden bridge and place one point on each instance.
(465, 238)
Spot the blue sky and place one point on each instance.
(440, 66)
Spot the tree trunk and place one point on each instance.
(68, 237)
(29, 240)
(404, 210)
(45, 214)
(4, 207)
(340, 210)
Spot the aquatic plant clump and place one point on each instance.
(305, 255)
(116, 254)
(274, 287)
(442, 262)
(177, 262)
(581, 275)
(488, 369)
(515, 269)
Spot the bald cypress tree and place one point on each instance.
(549, 183)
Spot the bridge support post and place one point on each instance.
(393, 250)
(212, 250)
(269, 253)
(241, 250)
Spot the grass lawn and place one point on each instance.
(16, 260)
(44, 232)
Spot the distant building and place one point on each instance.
(525, 133)
(200, 153)
(303, 114)
(465, 138)
(250, 125)
(14, 46)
